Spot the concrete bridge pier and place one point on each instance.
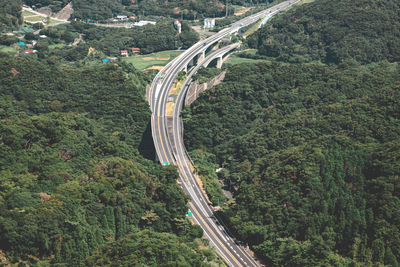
(202, 56)
(219, 62)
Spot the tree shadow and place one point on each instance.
(146, 146)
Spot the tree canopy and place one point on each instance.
(310, 153)
(72, 180)
(360, 31)
(10, 15)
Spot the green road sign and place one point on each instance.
(165, 163)
(189, 213)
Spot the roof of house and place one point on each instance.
(30, 51)
(124, 51)
(135, 49)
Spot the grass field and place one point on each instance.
(27, 13)
(234, 59)
(142, 62)
(7, 49)
(33, 19)
(53, 21)
(306, 1)
(59, 45)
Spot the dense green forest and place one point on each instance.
(343, 31)
(72, 180)
(147, 248)
(10, 15)
(112, 94)
(310, 151)
(311, 154)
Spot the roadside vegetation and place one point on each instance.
(310, 151)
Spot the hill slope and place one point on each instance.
(311, 155)
(72, 181)
(333, 32)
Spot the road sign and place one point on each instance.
(189, 213)
(165, 163)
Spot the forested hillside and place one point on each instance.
(107, 93)
(10, 14)
(72, 181)
(311, 154)
(310, 151)
(343, 31)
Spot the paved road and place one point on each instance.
(203, 214)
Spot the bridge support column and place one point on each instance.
(202, 56)
(191, 62)
(219, 62)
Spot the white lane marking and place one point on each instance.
(209, 238)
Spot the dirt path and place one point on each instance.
(241, 12)
(44, 15)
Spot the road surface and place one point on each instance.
(203, 213)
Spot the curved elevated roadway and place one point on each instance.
(203, 214)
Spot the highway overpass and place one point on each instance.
(203, 213)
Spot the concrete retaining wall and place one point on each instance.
(195, 88)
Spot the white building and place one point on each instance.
(144, 22)
(178, 25)
(209, 23)
(121, 17)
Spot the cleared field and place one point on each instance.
(142, 62)
(57, 45)
(33, 19)
(7, 49)
(27, 13)
(241, 10)
(53, 21)
(234, 59)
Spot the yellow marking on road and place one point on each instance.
(212, 232)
